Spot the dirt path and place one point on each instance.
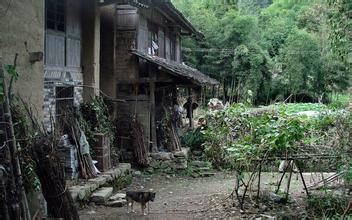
(187, 197)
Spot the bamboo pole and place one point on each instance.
(13, 149)
(302, 178)
(4, 206)
(259, 174)
(291, 163)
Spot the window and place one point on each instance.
(153, 40)
(55, 15)
(64, 101)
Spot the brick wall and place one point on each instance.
(52, 79)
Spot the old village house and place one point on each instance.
(68, 51)
(141, 63)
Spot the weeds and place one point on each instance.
(122, 182)
(326, 206)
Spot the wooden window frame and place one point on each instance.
(153, 35)
(56, 13)
(59, 99)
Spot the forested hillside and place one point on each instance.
(272, 50)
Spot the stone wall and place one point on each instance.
(167, 160)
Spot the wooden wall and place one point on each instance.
(126, 70)
(126, 33)
(167, 30)
(107, 53)
(133, 30)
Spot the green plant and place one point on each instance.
(193, 140)
(24, 135)
(326, 206)
(242, 137)
(292, 108)
(95, 119)
(339, 101)
(122, 182)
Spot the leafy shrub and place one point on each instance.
(236, 136)
(95, 119)
(326, 206)
(193, 140)
(339, 101)
(239, 137)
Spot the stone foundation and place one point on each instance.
(175, 161)
(82, 191)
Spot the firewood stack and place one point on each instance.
(51, 175)
(139, 145)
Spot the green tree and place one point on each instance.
(272, 48)
(301, 62)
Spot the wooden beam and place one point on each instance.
(144, 80)
(190, 108)
(152, 76)
(134, 98)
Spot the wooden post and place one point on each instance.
(282, 177)
(13, 149)
(259, 174)
(303, 181)
(289, 179)
(190, 108)
(152, 76)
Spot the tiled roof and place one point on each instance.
(178, 69)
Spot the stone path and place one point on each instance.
(189, 198)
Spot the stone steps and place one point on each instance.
(117, 200)
(83, 191)
(101, 196)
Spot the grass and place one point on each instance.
(337, 101)
(326, 206)
(121, 182)
(341, 100)
(293, 108)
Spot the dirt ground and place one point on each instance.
(207, 197)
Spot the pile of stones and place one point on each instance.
(168, 160)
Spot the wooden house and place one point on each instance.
(141, 64)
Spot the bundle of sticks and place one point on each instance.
(139, 145)
(85, 161)
(173, 140)
(70, 125)
(51, 175)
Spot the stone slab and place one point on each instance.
(117, 203)
(101, 180)
(182, 153)
(162, 156)
(82, 192)
(117, 196)
(101, 196)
